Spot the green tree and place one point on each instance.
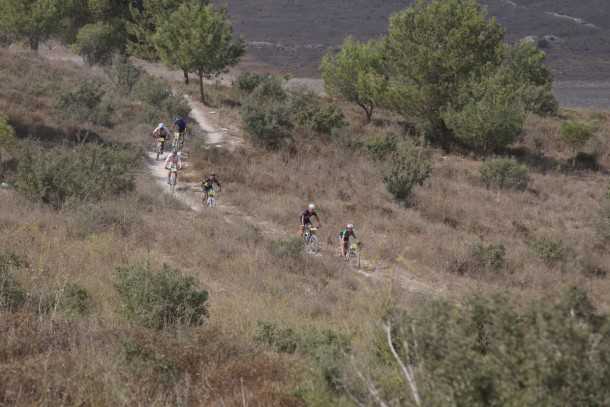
(487, 114)
(432, 49)
(146, 17)
(356, 74)
(33, 21)
(534, 79)
(199, 39)
(97, 42)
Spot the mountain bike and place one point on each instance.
(173, 178)
(312, 243)
(211, 201)
(178, 141)
(160, 146)
(353, 253)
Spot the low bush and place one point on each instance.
(160, 299)
(504, 173)
(152, 90)
(248, 81)
(409, 166)
(287, 248)
(381, 147)
(489, 258)
(12, 296)
(266, 115)
(326, 348)
(144, 358)
(85, 173)
(549, 250)
(160, 99)
(309, 111)
(86, 104)
(74, 301)
(575, 134)
(464, 350)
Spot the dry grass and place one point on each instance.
(452, 212)
(55, 360)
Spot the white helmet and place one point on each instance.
(350, 226)
(312, 206)
(161, 125)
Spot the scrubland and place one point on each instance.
(280, 323)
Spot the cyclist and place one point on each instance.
(344, 236)
(161, 133)
(173, 159)
(180, 127)
(306, 216)
(207, 185)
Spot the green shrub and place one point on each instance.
(489, 258)
(124, 74)
(176, 106)
(12, 296)
(152, 90)
(74, 301)
(549, 250)
(504, 173)
(85, 173)
(160, 299)
(381, 147)
(158, 95)
(288, 248)
(86, 104)
(409, 166)
(465, 349)
(144, 358)
(97, 42)
(248, 81)
(266, 115)
(326, 348)
(310, 112)
(575, 135)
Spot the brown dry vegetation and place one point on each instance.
(49, 358)
(433, 239)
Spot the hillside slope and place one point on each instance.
(293, 35)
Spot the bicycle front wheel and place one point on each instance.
(313, 244)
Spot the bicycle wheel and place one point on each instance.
(172, 182)
(313, 244)
(158, 151)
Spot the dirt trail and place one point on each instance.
(190, 195)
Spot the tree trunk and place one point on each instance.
(186, 76)
(368, 111)
(201, 87)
